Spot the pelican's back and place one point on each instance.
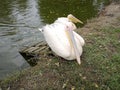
(56, 38)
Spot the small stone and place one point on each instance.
(84, 77)
(73, 88)
(0, 88)
(64, 85)
(57, 64)
(80, 74)
(96, 85)
(22, 89)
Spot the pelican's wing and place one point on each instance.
(56, 38)
(79, 38)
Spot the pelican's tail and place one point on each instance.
(40, 29)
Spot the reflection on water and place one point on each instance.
(82, 9)
(10, 59)
(20, 19)
(21, 23)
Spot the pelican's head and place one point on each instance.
(73, 19)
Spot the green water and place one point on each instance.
(20, 19)
(36, 13)
(82, 9)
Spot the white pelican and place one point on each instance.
(62, 39)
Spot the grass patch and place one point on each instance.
(100, 68)
(103, 53)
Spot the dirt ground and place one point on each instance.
(110, 16)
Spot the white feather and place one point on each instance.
(58, 41)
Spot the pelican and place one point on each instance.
(61, 38)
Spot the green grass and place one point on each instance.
(100, 68)
(103, 53)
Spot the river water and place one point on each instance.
(20, 19)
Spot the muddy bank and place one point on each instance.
(97, 71)
(108, 17)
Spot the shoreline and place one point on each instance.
(109, 17)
